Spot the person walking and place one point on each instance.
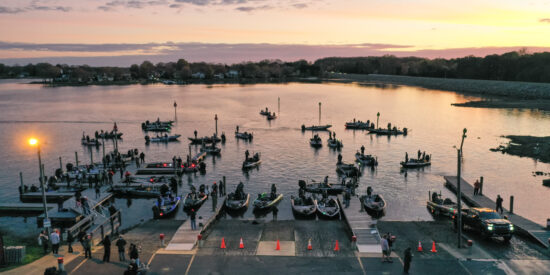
(193, 217)
(107, 247)
(476, 188)
(134, 254)
(407, 260)
(87, 245)
(70, 240)
(43, 240)
(54, 239)
(121, 244)
(385, 249)
(142, 157)
(499, 204)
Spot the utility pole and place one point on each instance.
(458, 192)
(319, 113)
(43, 187)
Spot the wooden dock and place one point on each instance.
(361, 225)
(24, 208)
(523, 226)
(185, 239)
(50, 196)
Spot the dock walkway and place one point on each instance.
(185, 238)
(23, 208)
(527, 227)
(362, 226)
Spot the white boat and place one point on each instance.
(164, 138)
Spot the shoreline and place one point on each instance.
(537, 148)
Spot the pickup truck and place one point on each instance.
(487, 222)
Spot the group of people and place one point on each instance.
(387, 242)
(421, 157)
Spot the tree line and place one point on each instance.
(512, 66)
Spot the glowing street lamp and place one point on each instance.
(34, 142)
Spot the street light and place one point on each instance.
(458, 191)
(34, 142)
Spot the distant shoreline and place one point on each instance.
(498, 94)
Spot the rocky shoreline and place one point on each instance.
(537, 148)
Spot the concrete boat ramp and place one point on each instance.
(362, 226)
(527, 227)
(185, 239)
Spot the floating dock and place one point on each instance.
(361, 225)
(529, 228)
(24, 208)
(185, 239)
(50, 196)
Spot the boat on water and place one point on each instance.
(366, 160)
(333, 142)
(156, 168)
(86, 141)
(194, 200)
(156, 128)
(546, 182)
(251, 162)
(157, 123)
(265, 112)
(165, 206)
(165, 138)
(423, 160)
(374, 204)
(389, 131)
(321, 187)
(316, 141)
(359, 125)
(265, 201)
(438, 206)
(211, 149)
(109, 135)
(316, 127)
(243, 135)
(328, 208)
(271, 116)
(304, 207)
(138, 190)
(207, 140)
(236, 203)
(348, 169)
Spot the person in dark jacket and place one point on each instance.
(407, 260)
(121, 244)
(499, 204)
(107, 247)
(87, 245)
(134, 254)
(70, 240)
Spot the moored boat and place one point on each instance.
(265, 201)
(359, 125)
(165, 138)
(320, 187)
(251, 162)
(304, 207)
(328, 208)
(194, 201)
(366, 160)
(374, 204)
(316, 127)
(165, 206)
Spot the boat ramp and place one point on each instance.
(361, 225)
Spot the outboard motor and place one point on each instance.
(303, 127)
(405, 130)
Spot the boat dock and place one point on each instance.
(527, 227)
(185, 238)
(50, 196)
(23, 208)
(361, 225)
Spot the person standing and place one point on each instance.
(142, 157)
(214, 195)
(121, 244)
(70, 240)
(385, 249)
(499, 204)
(54, 239)
(476, 188)
(347, 198)
(97, 191)
(107, 247)
(43, 240)
(137, 162)
(407, 260)
(193, 217)
(87, 245)
(134, 254)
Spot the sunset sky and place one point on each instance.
(125, 32)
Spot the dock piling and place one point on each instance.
(512, 204)
(21, 180)
(481, 186)
(60, 164)
(76, 157)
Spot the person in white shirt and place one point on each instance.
(54, 239)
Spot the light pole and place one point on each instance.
(34, 142)
(458, 191)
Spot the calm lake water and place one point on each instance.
(58, 116)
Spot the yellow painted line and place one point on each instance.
(360, 264)
(151, 259)
(79, 265)
(190, 263)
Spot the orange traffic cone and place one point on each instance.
(278, 245)
(419, 249)
(241, 245)
(223, 244)
(336, 247)
(433, 247)
(309, 247)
